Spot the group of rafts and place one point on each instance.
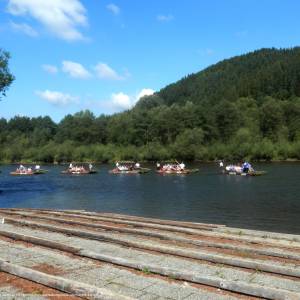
(130, 167)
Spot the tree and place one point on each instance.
(271, 118)
(6, 78)
(188, 142)
(228, 120)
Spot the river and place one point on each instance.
(270, 202)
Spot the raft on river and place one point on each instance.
(242, 170)
(128, 167)
(23, 171)
(80, 170)
(173, 168)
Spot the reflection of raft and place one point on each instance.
(177, 172)
(254, 173)
(133, 171)
(40, 171)
(85, 172)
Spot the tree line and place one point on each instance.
(230, 130)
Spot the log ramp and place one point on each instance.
(93, 255)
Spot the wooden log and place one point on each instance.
(164, 236)
(193, 225)
(214, 258)
(206, 232)
(111, 220)
(59, 283)
(82, 289)
(38, 241)
(182, 224)
(263, 234)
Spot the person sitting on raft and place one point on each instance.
(246, 167)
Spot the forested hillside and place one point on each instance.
(244, 107)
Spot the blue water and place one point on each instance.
(269, 202)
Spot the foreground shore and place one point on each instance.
(79, 254)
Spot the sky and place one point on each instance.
(72, 55)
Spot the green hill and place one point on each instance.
(266, 72)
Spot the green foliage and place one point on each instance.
(6, 78)
(187, 143)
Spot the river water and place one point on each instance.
(270, 202)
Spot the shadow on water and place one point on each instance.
(270, 202)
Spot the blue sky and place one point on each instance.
(69, 55)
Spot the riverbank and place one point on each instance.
(113, 256)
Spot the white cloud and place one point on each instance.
(121, 101)
(57, 98)
(165, 18)
(50, 69)
(117, 102)
(24, 28)
(144, 92)
(75, 70)
(113, 8)
(60, 17)
(104, 71)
